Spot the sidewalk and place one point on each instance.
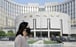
(69, 44)
(37, 44)
(6, 44)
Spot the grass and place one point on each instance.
(49, 42)
(31, 41)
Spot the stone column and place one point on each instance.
(48, 34)
(34, 34)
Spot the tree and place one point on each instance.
(2, 33)
(10, 33)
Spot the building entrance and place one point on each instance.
(42, 34)
(54, 33)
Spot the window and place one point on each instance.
(41, 9)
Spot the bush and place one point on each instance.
(2, 33)
(10, 33)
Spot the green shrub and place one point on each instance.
(10, 33)
(2, 33)
(49, 42)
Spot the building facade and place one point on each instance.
(45, 24)
(7, 21)
(13, 9)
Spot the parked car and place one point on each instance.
(11, 38)
(72, 39)
(4, 38)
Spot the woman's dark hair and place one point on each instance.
(21, 28)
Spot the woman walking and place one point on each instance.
(21, 35)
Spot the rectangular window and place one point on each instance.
(41, 9)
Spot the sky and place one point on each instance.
(41, 2)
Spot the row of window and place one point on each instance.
(17, 8)
(14, 9)
(5, 20)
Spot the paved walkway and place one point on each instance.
(11, 44)
(37, 44)
(69, 44)
(6, 44)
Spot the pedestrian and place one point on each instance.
(21, 35)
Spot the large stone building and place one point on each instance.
(13, 9)
(45, 24)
